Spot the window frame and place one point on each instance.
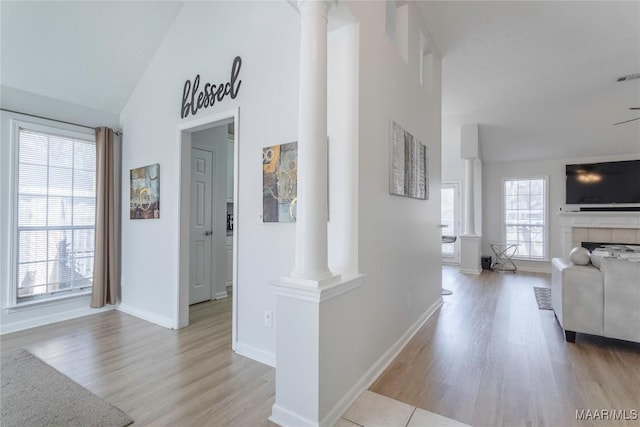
(545, 210)
(50, 128)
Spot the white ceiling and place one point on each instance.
(539, 77)
(90, 53)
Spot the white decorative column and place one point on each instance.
(301, 296)
(311, 221)
(470, 241)
(343, 128)
(469, 200)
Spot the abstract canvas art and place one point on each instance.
(144, 202)
(279, 182)
(409, 165)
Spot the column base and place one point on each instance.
(314, 290)
(470, 254)
(300, 309)
(296, 281)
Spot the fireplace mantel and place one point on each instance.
(600, 219)
(630, 221)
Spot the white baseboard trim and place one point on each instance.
(376, 370)
(285, 418)
(542, 267)
(470, 271)
(221, 295)
(148, 316)
(256, 354)
(7, 328)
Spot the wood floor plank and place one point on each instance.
(490, 357)
(158, 376)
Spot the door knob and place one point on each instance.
(208, 233)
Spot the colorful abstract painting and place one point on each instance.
(144, 202)
(279, 182)
(409, 165)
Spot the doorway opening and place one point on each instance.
(208, 210)
(450, 219)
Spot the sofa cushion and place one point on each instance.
(621, 299)
(579, 256)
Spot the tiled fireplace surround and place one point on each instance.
(602, 227)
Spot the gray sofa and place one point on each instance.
(604, 301)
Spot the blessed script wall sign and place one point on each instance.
(194, 99)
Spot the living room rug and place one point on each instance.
(35, 394)
(543, 298)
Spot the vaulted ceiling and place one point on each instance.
(90, 53)
(538, 77)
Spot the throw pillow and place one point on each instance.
(596, 260)
(597, 255)
(579, 256)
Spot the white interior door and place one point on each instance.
(201, 225)
(450, 216)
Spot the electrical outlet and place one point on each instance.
(268, 318)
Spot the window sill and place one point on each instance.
(31, 305)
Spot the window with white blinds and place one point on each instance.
(55, 221)
(525, 217)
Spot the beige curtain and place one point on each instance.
(106, 257)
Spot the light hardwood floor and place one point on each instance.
(487, 357)
(490, 357)
(158, 376)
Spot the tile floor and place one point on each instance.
(372, 409)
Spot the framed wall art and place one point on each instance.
(144, 201)
(409, 164)
(279, 182)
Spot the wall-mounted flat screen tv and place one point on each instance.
(604, 183)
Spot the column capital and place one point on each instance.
(314, 7)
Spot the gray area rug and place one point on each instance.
(35, 394)
(543, 298)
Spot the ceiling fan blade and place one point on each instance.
(629, 77)
(634, 108)
(626, 121)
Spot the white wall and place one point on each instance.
(401, 232)
(493, 175)
(205, 38)
(398, 238)
(14, 319)
(452, 163)
(215, 139)
(30, 103)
